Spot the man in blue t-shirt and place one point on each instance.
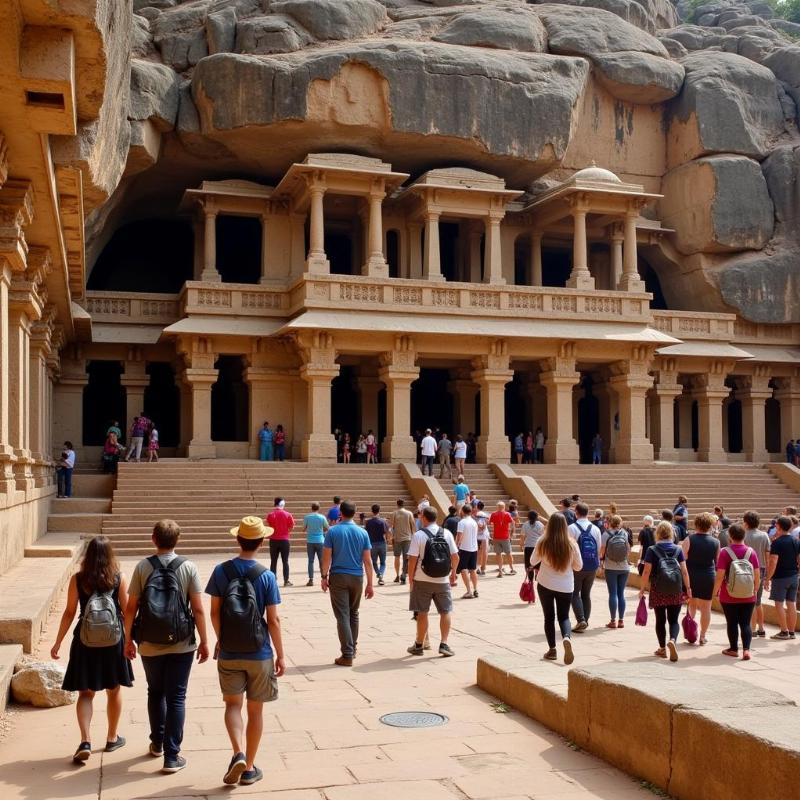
(345, 558)
(315, 525)
(253, 673)
(334, 512)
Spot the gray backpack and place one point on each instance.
(100, 623)
(740, 580)
(617, 546)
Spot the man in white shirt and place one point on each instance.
(467, 543)
(425, 588)
(428, 449)
(64, 471)
(588, 538)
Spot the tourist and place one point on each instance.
(111, 452)
(529, 449)
(427, 585)
(64, 469)
(450, 522)
(513, 509)
(467, 543)
(589, 539)
(738, 610)
(428, 452)
(472, 448)
(599, 520)
(530, 533)
(646, 539)
(115, 429)
(790, 452)
(519, 447)
(460, 492)
(797, 452)
(101, 591)
(139, 430)
(666, 578)
(758, 540)
(282, 524)
(166, 594)
(346, 449)
(615, 546)
(666, 516)
(680, 517)
(372, 448)
(501, 525)
(443, 451)
(345, 559)
(460, 454)
(597, 449)
(152, 445)
(378, 531)
(279, 443)
(557, 558)
(482, 521)
(538, 446)
(402, 529)
(423, 503)
(782, 577)
(246, 635)
(334, 512)
(565, 508)
(314, 525)
(361, 449)
(265, 439)
(701, 550)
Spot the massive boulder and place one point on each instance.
(639, 77)
(334, 19)
(513, 29)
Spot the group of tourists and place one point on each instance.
(793, 452)
(271, 443)
(362, 450)
(142, 437)
(529, 447)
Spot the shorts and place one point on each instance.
(423, 592)
(784, 589)
(502, 546)
(256, 679)
(467, 560)
(763, 571)
(401, 548)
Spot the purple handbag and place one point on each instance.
(689, 628)
(641, 612)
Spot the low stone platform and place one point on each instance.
(9, 655)
(692, 736)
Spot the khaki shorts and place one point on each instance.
(256, 679)
(423, 592)
(502, 546)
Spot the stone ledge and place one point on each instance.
(9, 655)
(649, 721)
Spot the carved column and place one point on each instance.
(414, 250)
(474, 255)
(209, 272)
(432, 268)
(558, 376)
(464, 392)
(368, 390)
(318, 370)
(493, 253)
(685, 403)
(376, 266)
(580, 277)
(491, 372)
(199, 376)
(617, 237)
(265, 243)
(135, 380)
(788, 395)
(398, 370)
(662, 419)
(631, 381)
(39, 351)
(709, 391)
(753, 390)
(68, 400)
(536, 259)
(317, 262)
(630, 281)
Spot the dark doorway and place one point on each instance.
(103, 401)
(162, 400)
(522, 254)
(735, 426)
(772, 426)
(149, 255)
(239, 249)
(431, 403)
(230, 402)
(448, 250)
(588, 421)
(393, 253)
(695, 426)
(344, 404)
(556, 266)
(517, 419)
(653, 285)
(339, 249)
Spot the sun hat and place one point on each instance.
(252, 528)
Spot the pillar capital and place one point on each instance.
(709, 385)
(16, 213)
(753, 387)
(496, 362)
(197, 376)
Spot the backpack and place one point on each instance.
(587, 544)
(100, 622)
(617, 546)
(668, 578)
(243, 628)
(740, 579)
(164, 616)
(436, 558)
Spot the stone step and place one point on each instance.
(77, 523)
(80, 505)
(9, 655)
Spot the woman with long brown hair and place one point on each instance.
(96, 656)
(557, 556)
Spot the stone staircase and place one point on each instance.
(207, 498)
(482, 480)
(640, 490)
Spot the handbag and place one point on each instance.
(689, 628)
(641, 612)
(526, 592)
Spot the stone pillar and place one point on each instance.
(317, 262)
(414, 250)
(19, 377)
(432, 268)
(186, 423)
(558, 376)
(464, 392)
(753, 391)
(7, 483)
(37, 402)
(474, 255)
(318, 370)
(200, 380)
(631, 381)
(788, 395)
(68, 401)
(616, 256)
(492, 251)
(580, 277)
(709, 391)
(135, 380)
(376, 266)
(265, 242)
(491, 372)
(535, 267)
(209, 272)
(630, 281)
(685, 402)
(368, 390)
(398, 370)
(662, 419)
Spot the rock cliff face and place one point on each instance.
(696, 102)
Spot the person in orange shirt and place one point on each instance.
(502, 526)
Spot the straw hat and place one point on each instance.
(252, 528)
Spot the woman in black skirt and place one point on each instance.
(701, 549)
(92, 669)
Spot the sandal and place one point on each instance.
(611, 624)
(620, 624)
(661, 652)
(731, 653)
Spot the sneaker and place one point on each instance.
(782, 635)
(475, 593)
(569, 656)
(155, 750)
(343, 661)
(416, 649)
(173, 764)
(791, 634)
(115, 745)
(551, 654)
(397, 579)
(500, 573)
(581, 626)
(673, 651)
(235, 769)
(611, 624)
(82, 753)
(310, 583)
(731, 653)
(251, 776)
(287, 583)
(467, 596)
(761, 632)
(445, 650)
(402, 580)
(381, 582)
(512, 571)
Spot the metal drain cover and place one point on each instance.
(414, 719)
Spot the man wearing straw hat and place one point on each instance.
(245, 644)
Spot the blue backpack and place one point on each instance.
(587, 544)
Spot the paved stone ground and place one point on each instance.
(323, 739)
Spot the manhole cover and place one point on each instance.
(414, 719)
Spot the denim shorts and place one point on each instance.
(784, 589)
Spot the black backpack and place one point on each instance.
(436, 558)
(242, 623)
(164, 616)
(668, 578)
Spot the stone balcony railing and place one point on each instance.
(695, 325)
(132, 308)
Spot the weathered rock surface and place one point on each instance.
(154, 94)
(517, 29)
(38, 683)
(268, 35)
(639, 77)
(334, 19)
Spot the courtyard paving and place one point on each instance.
(323, 738)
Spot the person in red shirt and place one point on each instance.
(282, 522)
(501, 524)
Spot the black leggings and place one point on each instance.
(738, 616)
(664, 613)
(279, 548)
(555, 604)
